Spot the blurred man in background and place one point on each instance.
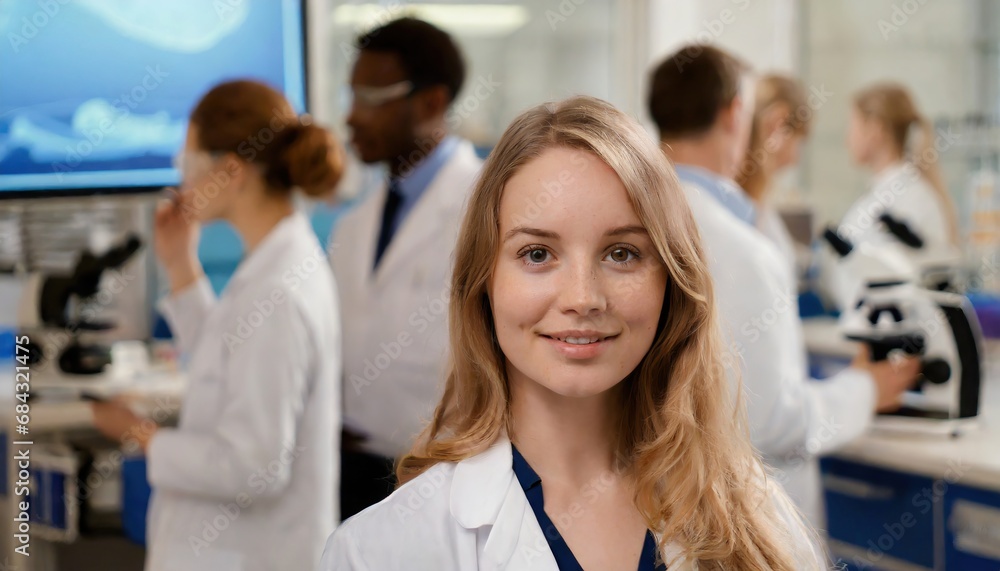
(392, 253)
(701, 101)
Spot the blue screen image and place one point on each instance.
(95, 94)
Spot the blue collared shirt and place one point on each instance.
(722, 189)
(413, 184)
(531, 483)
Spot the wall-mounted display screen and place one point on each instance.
(95, 94)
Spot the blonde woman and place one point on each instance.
(890, 137)
(780, 123)
(586, 421)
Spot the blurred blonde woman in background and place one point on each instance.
(586, 361)
(780, 124)
(890, 137)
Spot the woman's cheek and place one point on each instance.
(654, 286)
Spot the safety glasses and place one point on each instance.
(190, 164)
(368, 96)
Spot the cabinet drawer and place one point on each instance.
(972, 523)
(885, 517)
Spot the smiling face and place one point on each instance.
(577, 286)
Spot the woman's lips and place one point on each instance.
(580, 351)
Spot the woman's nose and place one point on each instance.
(583, 290)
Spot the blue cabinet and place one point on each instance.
(135, 499)
(879, 519)
(886, 520)
(972, 529)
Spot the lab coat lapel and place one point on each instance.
(419, 225)
(362, 237)
(281, 241)
(486, 495)
(427, 218)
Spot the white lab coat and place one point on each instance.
(771, 225)
(793, 419)
(247, 480)
(470, 515)
(396, 321)
(901, 191)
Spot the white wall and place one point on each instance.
(320, 79)
(852, 43)
(837, 47)
(763, 32)
(563, 47)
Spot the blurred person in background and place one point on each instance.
(781, 118)
(392, 253)
(907, 218)
(701, 99)
(895, 142)
(258, 432)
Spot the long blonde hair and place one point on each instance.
(771, 91)
(891, 105)
(697, 480)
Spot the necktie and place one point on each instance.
(393, 201)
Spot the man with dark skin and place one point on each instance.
(391, 254)
(390, 132)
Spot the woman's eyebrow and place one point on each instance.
(623, 230)
(614, 232)
(530, 231)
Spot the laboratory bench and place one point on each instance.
(915, 502)
(88, 497)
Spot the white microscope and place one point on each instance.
(887, 305)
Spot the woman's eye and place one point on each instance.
(534, 255)
(538, 256)
(622, 255)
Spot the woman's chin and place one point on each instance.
(577, 387)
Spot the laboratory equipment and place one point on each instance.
(58, 305)
(941, 329)
(893, 312)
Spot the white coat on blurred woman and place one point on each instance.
(247, 479)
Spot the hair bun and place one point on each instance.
(313, 160)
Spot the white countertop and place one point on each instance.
(971, 459)
(58, 406)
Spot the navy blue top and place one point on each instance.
(531, 483)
